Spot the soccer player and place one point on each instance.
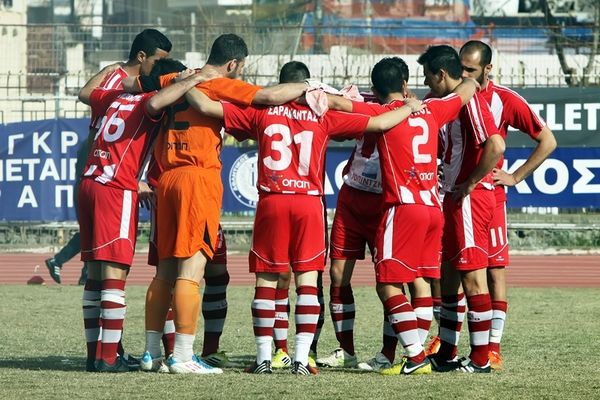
(148, 46)
(408, 236)
(289, 228)
(471, 147)
(108, 234)
(189, 193)
(509, 110)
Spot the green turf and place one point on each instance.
(550, 349)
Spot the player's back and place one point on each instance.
(123, 139)
(291, 143)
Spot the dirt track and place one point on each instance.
(524, 271)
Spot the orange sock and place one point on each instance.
(186, 304)
(158, 301)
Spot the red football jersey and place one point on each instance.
(114, 80)
(123, 140)
(292, 143)
(462, 143)
(408, 151)
(510, 110)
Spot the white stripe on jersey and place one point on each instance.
(497, 108)
(426, 197)
(512, 92)
(457, 146)
(467, 215)
(388, 234)
(474, 114)
(126, 214)
(113, 81)
(406, 196)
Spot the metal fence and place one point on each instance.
(42, 67)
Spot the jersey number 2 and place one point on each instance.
(421, 139)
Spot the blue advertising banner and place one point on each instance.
(37, 172)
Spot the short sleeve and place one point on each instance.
(238, 119)
(480, 119)
(445, 109)
(101, 98)
(231, 90)
(521, 116)
(343, 124)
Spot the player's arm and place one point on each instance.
(95, 81)
(169, 95)
(203, 104)
(279, 94)
(546, 143)
(493, 149)
(466, 90)
(339, 103)
(389, 119)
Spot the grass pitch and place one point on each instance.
(550, 348)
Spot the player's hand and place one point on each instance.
(414, 104)
(462, 190)
(477, 85)
(146, 196)
(184, 74)
(502, 177)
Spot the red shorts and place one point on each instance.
(289, 229)
(498, 248)
(408, 244)
(356, 219)
(108, 220)
(220, 256)
(466, 230)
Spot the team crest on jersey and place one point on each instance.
(242, 179)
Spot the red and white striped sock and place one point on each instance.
(168, 336)
(321, 320)
(451, 319)
(91, 316)
(282, 313)
(342, 309)
(404, 322)
(263, 319)
(306, 317)
(113, 311)
(214, 311)
(499, 309)
(390, 341)
(479, 318)
(423, 307)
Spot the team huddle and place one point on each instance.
(423, 189)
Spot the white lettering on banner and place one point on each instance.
(13, 167)
(572, 113)
(11, 142)
(27, 197)
(562, 177)
(576, 116)
(592, 110)
(68, 189)
(582, 185)
(31, 163)
(73, 169)
(49, 170)
(339, 179)
(68, 139)
(39, 142)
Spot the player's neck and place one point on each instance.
(452, 84)
(218, 70)
(393, 96)
(132, 68)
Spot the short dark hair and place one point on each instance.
(227, 47)
(441, 57)
(148, 41)
(483, 48)
(388, 75)
(161, 66)
(294, 71)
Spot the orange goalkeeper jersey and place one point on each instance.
(192, 139)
